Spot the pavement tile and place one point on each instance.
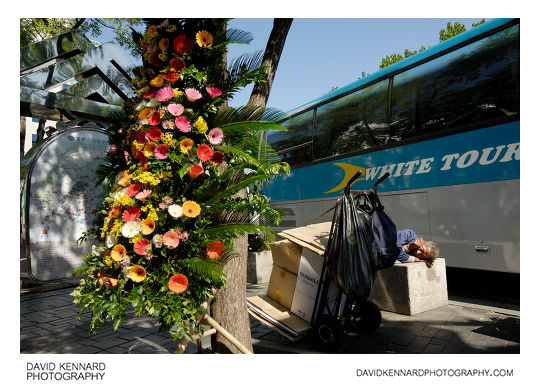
(433, 348)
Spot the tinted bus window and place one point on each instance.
(473, 84)
(298, 136)
(354, 122)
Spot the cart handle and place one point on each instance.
(358, 174)
(383, 177)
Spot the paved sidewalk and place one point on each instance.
(49, 325)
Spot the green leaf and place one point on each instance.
(251, 126)
(184, 170)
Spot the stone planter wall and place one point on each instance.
(259, 267)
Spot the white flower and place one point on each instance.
(122, 191)
(130, 229)
(111, 240)
(175, 211)
(153, 103)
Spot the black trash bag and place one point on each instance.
(351, 253)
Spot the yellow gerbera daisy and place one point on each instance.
(148, 226)
(137, 273)
(204, 38)
(157, 81)
(118, 252)
(186, 144)
(191, 209)
(145, 113)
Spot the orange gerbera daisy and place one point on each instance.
(125, 179)
(111, 282)
(186, 144)
(164, 44)
(148, 226)
(178, 283)
(195, 171)
(191, 209)
(157, 81)
(115, 212)
(137, 273)
(145, 113)
(118, 252)
(204, 38)
(148, 149)
(214, 250)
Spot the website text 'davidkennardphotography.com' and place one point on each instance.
(434, 372)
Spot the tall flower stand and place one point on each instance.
(216, 328)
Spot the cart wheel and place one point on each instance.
(367, 316)
(329, 332)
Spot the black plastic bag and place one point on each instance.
(351, 253)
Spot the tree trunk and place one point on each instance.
(23, 134)
(274, 47)
(229, 307)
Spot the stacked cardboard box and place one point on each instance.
(296, 271)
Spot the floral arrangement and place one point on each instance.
(166, 227)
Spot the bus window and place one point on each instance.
(474, 84)
(298, 132)
(354, 122)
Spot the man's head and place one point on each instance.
(428, 251)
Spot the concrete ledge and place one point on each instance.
(259, 267)
(410, 288)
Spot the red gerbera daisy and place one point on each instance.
(142, 158)
(150, 94)
(214, 250)
(131, 214)
(155, 60)
(133, 189)
(204, 152)
(182, 44)
(217, 157)
(178, 283)
(177, 64)
(155, 119)
(171, 77)
(154, 133)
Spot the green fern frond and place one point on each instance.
(237, 187)
(239, 154)
(231, 231)
(234, 35)
(211, 270)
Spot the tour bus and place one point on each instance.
(444, 123)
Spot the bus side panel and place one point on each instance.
(483, 214)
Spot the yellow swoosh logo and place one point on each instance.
(349, 170)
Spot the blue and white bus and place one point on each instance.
(444, 123)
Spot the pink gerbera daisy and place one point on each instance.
(192, 95)
(213, 92)
(141, 246)
(171, 239)
(215, 136)
(161, 151)
(143, 194)
(175, 109)
(182, 123)
(154, 133)
(164, 94)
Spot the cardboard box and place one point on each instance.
(281, 286)
(307, 284)
(286, 254)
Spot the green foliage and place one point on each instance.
(451, 31)
(444, 34)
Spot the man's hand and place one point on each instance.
(415, 245)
